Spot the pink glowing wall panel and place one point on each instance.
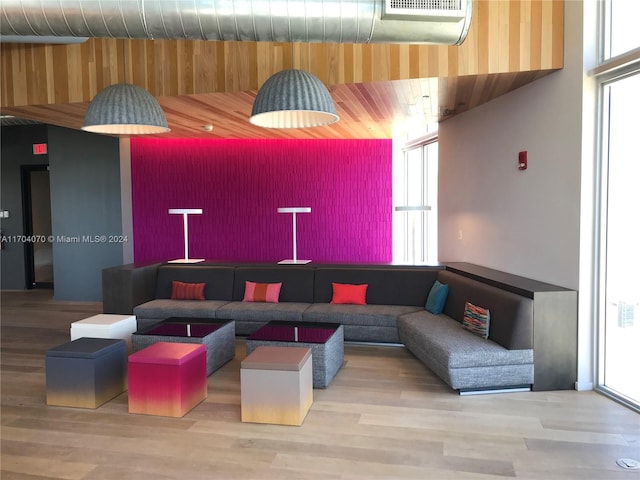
(240, 184)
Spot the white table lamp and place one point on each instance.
(294, 211)
(185, 212)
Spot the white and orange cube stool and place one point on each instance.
(276, 385)
(167, 379)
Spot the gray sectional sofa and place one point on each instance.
(466, 361)
(395, 311)
(304, 297)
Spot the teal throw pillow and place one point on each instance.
(437, 298)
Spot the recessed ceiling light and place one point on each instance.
(207, 128)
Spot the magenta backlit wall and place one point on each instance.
(239, 184)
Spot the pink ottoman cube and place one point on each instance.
(167, 379)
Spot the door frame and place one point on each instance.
(27, 224)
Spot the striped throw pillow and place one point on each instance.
(261, 292)
(476, 319)
(187, 291)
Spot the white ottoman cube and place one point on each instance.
(276, 385)
(105, 326)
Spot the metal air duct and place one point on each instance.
(325, 21)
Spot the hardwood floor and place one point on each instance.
(385, 416)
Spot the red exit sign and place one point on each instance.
(39, 148)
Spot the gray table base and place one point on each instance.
(220, 344)
(327, 358)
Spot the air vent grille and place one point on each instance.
(423, 10)
(425, 4)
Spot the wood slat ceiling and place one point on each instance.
(376, 88)
(366, 110)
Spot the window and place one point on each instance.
(415, 218)
(619, 171)
(620, 25)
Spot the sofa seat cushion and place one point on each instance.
(371, 315)
(444, 339)
(262, 312)
(165, 308)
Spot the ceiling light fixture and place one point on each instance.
(125, 109)
(293, 99)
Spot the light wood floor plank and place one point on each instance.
(46, 466)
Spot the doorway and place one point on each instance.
(38, 247)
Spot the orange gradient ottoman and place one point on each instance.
(276, 385)
(167, 379)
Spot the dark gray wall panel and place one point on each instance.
(86, 211)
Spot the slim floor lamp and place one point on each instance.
(185, 212)
(294, 211)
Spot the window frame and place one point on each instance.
(606, 73)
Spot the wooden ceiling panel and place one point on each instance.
(375, 87)
(366, 110)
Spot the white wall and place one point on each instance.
(536, 223)
(522, 222)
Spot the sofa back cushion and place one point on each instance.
(297, 282)
(386, 285)
(511, 314)
(218, 279)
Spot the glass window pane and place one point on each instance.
(414, 175)
(621, 27)
(622, 290)
(415, 230)
(431, 233)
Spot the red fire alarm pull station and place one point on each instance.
(522, 160)
(39, 148)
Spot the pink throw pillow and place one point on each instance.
(262, 292)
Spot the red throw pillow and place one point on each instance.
(345, 293)
(187, 291)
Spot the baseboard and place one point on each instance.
(582, 386)
(487, 391)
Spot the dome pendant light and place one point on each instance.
(125, 109)
(293, 99)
